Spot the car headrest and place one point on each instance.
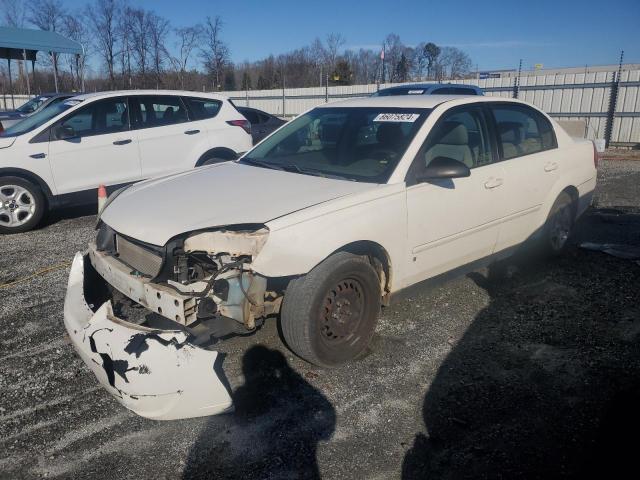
(390, 134)
(329, 132)
(168, 114)
(454, 133)
(510, 132)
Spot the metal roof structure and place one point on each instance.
(16, 42)
(25, 43)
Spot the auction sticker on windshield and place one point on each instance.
(397, 117)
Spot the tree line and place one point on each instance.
(137, 48)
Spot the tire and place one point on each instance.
(22, 205)
(345, 285)
(559, 225)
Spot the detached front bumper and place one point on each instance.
(157, 374)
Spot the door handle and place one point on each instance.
(191, 132)
(550, 167)
(122, 142)
(38, 155)
(493, 183)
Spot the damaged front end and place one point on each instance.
(143, 318)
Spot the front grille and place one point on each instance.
(139, 258)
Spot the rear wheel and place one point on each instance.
(216, 157)
(329, 315)
(22, 205)
(559, 225)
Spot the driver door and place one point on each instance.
(94, 145)
(454, 221)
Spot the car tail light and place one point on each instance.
(1, 127)
(596, 155)
(244, 124)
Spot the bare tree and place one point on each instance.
(14, 13)
(188, 39)
(75, 27)
(431, 52)
(141, 40)
(454, 63)
(158, 31)
(394, 48)
(47, 15)
(334, 42)
(215, 52)
(125, 45)
(103, 16)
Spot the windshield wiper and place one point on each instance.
(259, 163)
(290, 167)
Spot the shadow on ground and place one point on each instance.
(546, 381)
(278, 422)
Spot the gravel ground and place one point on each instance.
(530, 370)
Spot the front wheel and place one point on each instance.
(22, 205)
(329, 315)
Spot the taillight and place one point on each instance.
(244, 124)
(596, 155)
(1, 127)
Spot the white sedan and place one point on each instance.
(321, 224)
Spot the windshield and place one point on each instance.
(361, 144)
(32, 105)
(38, 119)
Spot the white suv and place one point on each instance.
(59, 156)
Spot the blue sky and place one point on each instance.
(496, 34)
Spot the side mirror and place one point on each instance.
(443, 167)
(63, 132)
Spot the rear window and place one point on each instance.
(202, 108)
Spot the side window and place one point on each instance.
(202, 108)
(251, 115)
(461, 135)
(522, 131)
(464, 91)
(263, 117)
(98, 118)
(158, 111)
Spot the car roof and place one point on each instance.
(119, 93)
(415, 101)
(433, 85)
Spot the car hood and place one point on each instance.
(154, 211)
(6, 141)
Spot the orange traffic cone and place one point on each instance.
(102, 197)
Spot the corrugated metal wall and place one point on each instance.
(571, 96)
(574, 96)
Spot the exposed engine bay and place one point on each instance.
(202, 282)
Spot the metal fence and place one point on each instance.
(575, 97)
(602, 103)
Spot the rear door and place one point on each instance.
(99, 148)
(454, 222)
(528, 149)
(164, 134)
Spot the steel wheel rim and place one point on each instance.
(17, 206)
(560, 228)
(342, 312)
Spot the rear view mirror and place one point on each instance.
(443, 167)
(63, 132)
